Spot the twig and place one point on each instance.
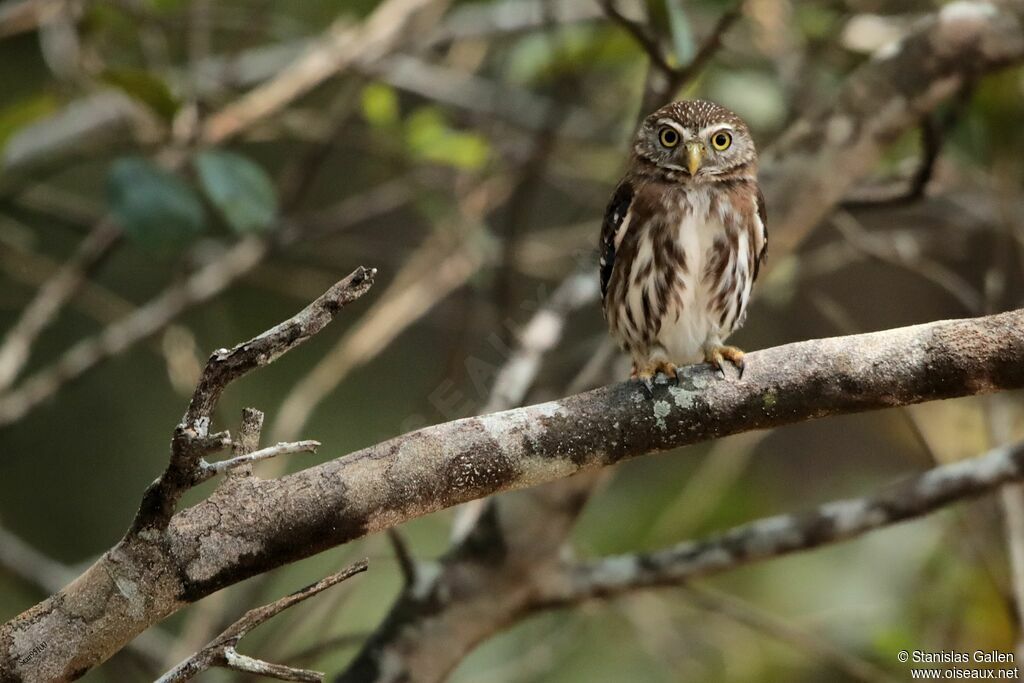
(51, 298)
(227, 365)
(641, 34)
(221, 651)
(212, 469)
(192, 440)
(406, 562)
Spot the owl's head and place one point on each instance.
(699, 140)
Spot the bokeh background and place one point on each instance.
(471, 168)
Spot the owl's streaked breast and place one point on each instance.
(683, 278)
(685, 328)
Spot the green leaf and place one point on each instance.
(154, 207)
(682, 32)
(429, 138)
(144, 87)
(239, 188)
(380, 105)
(14, 116)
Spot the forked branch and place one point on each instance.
(221, 652)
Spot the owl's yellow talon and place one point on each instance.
(645, 375)
(716, 355)
(667, 368)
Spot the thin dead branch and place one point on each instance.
(776, 536)
(192, 439)
(221, 652)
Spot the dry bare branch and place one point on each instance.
(221, 651)
(784, 534)
(192, 439)
(211, 469)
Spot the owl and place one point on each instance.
(683, 239)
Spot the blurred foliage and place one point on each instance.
(18, 114)
(154, 207)
(145, 87)
(239, 189)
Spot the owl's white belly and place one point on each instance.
(685, 309)
(684, 332)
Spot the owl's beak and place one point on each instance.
(694, 157)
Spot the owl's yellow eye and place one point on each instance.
(669, 136)
(721, 140)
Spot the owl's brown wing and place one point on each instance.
(762, 213)
(614, 219)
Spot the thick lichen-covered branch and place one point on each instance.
(253, 526)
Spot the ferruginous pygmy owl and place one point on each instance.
(683, 239)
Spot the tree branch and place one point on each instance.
(212, 469)
(221, 651)
(786, 534)
(192, 440)
(254, 526)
